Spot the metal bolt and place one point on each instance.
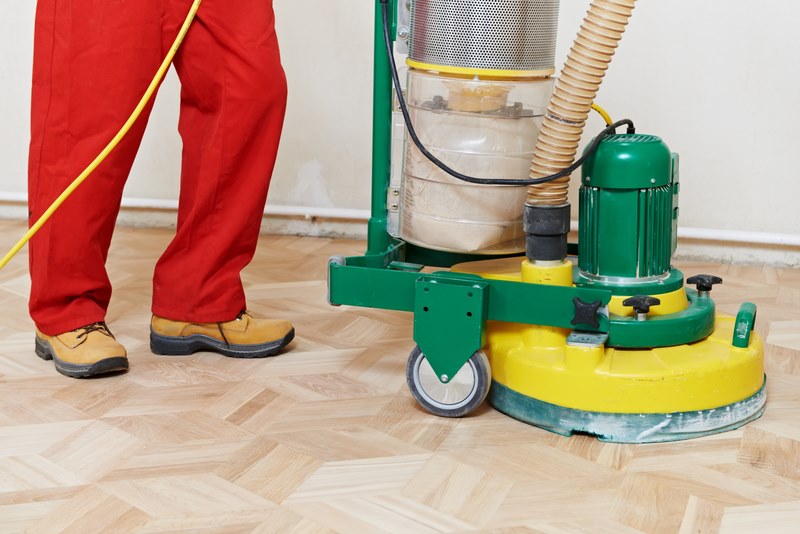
(445, 378)
(402, 33)
(652, 180)
(394, 206)
(396, 192)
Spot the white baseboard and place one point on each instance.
(284, 220)
(739, 253)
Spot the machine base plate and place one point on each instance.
(627, 427)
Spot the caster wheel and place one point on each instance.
(459, 396)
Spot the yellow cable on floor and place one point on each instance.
(148, 95)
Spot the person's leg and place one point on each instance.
(232, 108)
(92, 62)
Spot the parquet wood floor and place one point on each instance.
(326, 437)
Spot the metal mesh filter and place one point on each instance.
(484, 34)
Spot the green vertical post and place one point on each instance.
(377, 237)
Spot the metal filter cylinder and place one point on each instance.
(498, 37)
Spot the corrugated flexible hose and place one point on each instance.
(572, 99)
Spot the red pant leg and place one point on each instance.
(93, 59)
(232, 107)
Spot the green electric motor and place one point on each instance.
(628, 212)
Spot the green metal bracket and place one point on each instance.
(367, 281)
(692, 324)
(405, 266)
(449, 317)
(745, 322)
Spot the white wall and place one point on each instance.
(324, 160)
(16, 35)
(717, 79)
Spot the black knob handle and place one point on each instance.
(641, 303)
(586, 312)
(704, 282)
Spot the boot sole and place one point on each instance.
(183, 346)
(73, 370)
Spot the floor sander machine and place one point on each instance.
(470, 219)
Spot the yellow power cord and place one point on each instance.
(148, 95)
(603, 113)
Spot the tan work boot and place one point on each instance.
(87, 351)
(244, 337)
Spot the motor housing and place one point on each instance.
(628, 213)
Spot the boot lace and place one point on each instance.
(222, 331)
(95, 327)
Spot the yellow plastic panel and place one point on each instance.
(707, 374)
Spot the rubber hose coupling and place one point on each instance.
(546, 229)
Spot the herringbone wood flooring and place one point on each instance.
(326, 437)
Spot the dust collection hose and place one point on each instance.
(148, 95)
(572, 99)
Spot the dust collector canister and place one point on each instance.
(487, 128)
(477, 92)
(495, 37)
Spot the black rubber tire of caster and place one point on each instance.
(459, 396)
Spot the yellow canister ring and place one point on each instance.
(466, 71)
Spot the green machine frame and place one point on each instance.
(450, 309)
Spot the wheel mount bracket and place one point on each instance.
(449, 320)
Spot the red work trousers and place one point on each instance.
(93, 60)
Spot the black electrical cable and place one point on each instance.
(471, 179)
